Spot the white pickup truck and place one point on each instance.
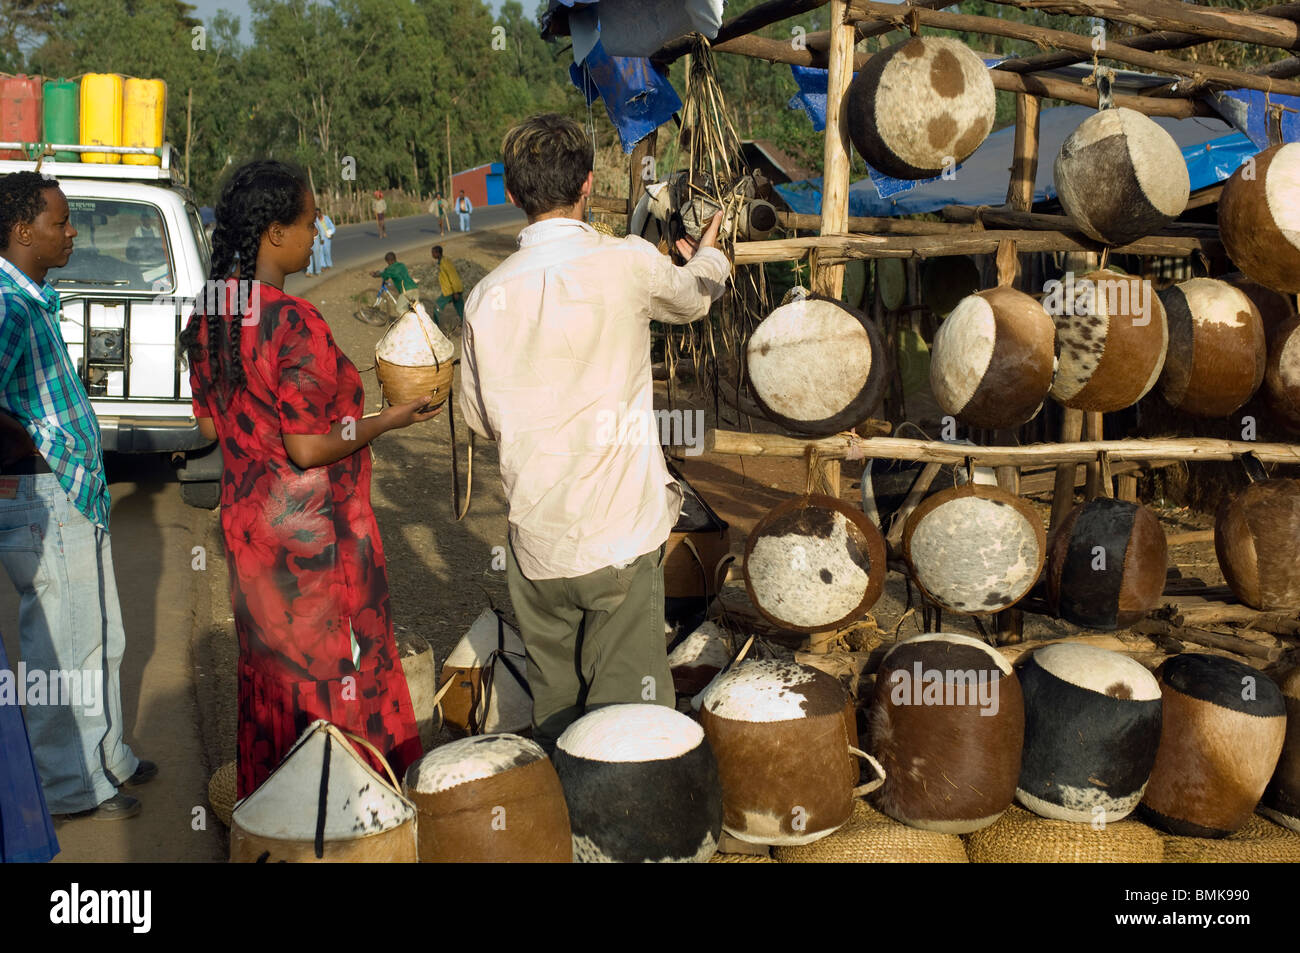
(140, 259)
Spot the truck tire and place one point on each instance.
(203, 494)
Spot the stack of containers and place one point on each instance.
(101, 115)
(60, 107)
(20, 112)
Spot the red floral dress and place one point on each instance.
(307, 570)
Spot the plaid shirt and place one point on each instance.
(39, 387)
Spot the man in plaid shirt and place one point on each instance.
(54, 540)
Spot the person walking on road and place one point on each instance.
(453, 291)
(54, 512)
(439, 207)
(463, 207)
(380, 207)
(556, 345)
(308, 580)
(325, 228)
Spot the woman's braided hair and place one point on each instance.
(257, 195)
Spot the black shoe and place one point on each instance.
(117, 808)
(145, 773)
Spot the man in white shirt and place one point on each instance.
(463, 207)
(556, 370)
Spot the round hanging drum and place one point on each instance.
(814, 563)
(817, 366)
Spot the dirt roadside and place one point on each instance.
(442, 572)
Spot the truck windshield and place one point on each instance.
(120, 246)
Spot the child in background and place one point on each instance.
(402, 281)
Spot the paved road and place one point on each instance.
(355, 246)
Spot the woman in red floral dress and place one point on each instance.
(308, 581)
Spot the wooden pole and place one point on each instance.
(835, 172)
(639, 172)
(1150, 451)
(1020, 191)
(1062, 39)
(1092, 431)
(1213, 24)
(1066, 473)
(189, 126)
(841, 248)
(1151, 42)
(415, 170)
(449, 179)
(780, 51)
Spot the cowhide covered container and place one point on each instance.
(886, 485)
(1221, 734)
(1216, 355)
(324, 804)
(1106, 564)
(1092, 726)
(817, 366)
(1282, 373)
(1281, 801)
(1111, 337)
(1259, 217)
(921, 106)
(947, 723)
(780, 733)
(699, 657)
(813, 563)
(993, 357)
(489, 799)
(642, 786)
(1255, 537)
(975, 548)
(1120, 176)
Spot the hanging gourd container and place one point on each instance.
(1259, 217)
(1217, 353)
(817, 366)
(921, 107)
(1120, 176)
(992, 360)
(814, 563)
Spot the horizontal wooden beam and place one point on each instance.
(840, 248)
(1213, 23)
(610, 203)
(756, 18)
(870, 225)
(1155, 450)
(1001, 217)
(1062, 39)
(780, 51)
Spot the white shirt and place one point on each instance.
(556, 369)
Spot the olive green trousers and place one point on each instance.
(592, 640)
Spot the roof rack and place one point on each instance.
(41, 157)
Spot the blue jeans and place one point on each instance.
(464, 221)
(70, 624)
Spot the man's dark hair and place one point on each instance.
(547, 159)
(437, 250)
(22, 198)
(390, 258)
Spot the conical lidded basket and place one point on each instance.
(324, 804)
(414, 359)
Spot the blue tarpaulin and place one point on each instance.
(637, 98)
(1210, 147)
(1247, 109)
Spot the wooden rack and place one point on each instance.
(1013, 229)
